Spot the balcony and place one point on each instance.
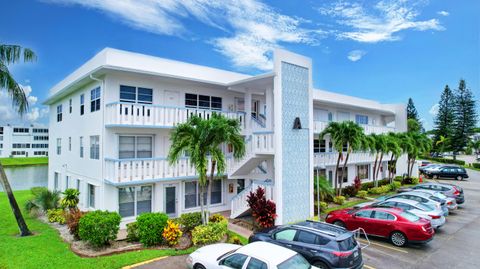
(156, 116)
(330, 158)
(319, 126)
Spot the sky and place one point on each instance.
(376, 49)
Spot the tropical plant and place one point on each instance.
(202, 139)
(73, 217)
(395, 150)
(339, 200)
(172, 233)
(43, 199)
(190, 220)
(70, 199)
(99, 227)
(13, 54)
(150, 228)
(209, 233)
(263, 210)
(420, 145)
(323, 189)
(56, 215)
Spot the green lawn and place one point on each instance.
(47, 250)
(24, 161)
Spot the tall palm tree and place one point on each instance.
(420, 144)
(335, 131)
(396, 151)
(12, 54)
(202, 138)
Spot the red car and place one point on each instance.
(399, 226)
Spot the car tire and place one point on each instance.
(398, 239)
(199, 266)
(321, 265)
(339, 223)
(459, 178)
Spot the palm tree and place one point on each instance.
(345, 133)
(12, 54)
(420, 144)
(202, 139)
(396, 151)
(442, 142)
(382, 149)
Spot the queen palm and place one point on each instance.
(335, 131)
(382, 149)
(393, 147)
(12, 54)
(202, 139)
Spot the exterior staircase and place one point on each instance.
(239, 206)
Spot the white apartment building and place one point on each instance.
(21, 141)
(110, 124)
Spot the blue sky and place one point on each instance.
(382, 50)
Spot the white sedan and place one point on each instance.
(256, 255)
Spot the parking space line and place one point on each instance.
(368, 267)
(385, 246)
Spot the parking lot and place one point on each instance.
(455, 245)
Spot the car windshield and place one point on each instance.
(347, 244)
(409, 216)
(425, 207)
(295, 262)
(436, 199)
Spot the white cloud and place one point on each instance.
(356, 55)
(382, 22)
(434, 110)
(443, 13)
(8, 113)
(251, 29)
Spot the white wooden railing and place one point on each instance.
(127, 170)
(330, 158)
(319, 126)
(120, 113)
(239, 202)
(257, 143)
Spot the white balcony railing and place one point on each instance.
(262, 143)
(330, 158)
(319, 126)
(239, 202)
(127, 170)
(128, 114)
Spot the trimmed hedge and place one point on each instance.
(369, 185)
(476, 165)
(209, 234)
(150, 228)
(362, 194)
(190, 221)
(444, 160)
(99, 227)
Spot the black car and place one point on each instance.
(323, 245)
(458, 173)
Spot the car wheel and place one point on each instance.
(320, 265)
(339, 223)
(398, 239)
(199, 266)
(459, 178)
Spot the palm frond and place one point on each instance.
(16, 93)
(11, 54)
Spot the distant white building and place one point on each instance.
(21, 141)
(110, 124)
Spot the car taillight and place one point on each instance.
(424, 229)
(342, 253)
(456, 192)
(434, 217)
(449, 203)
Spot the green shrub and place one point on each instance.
(323, 206)
(349, 191)
(216, 218)
(339, 200)
(56, 215)
(209, 234)
(132, 232)
(395, 185)
(398, 178)
(415, 180)
(190, 220)
(362, 194)
(43, 199)
(476, 165)
(234, 240)
(369, 185)
(99, 227)
(444, 160)
(150, 228)
(380, 190)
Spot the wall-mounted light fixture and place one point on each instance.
(297, 125)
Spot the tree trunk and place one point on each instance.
(390, 170)
(202, 208)
(336, 173)
(24, 231)
(375, 169)
(343, 172)
(209, 190)
(379, 165)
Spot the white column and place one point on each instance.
(269, 110)
(248, 109)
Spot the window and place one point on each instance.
(297, 261)
(235, 261)
(136, 95)
(319, 146)
(70, 106)
(135, 147)
(345, 174)
(67, 182)
(59, 113)
(256, 264)
(40, 138)
(383, 215)
(288, 234)
(77, 186)
(82, 104)
(203, 101)
(40, 130)
(361, 119)
(192, 194)
(95, 147)
(59, 146)
(133, 201)
(21, 130)
(362, 171)
(91, 196)
(306, 237)
(69, 143)
(55, 181)
(95, 99)
(39, 153)
(330, 116)
(364, 214)
(240, 185)
(81, 146)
